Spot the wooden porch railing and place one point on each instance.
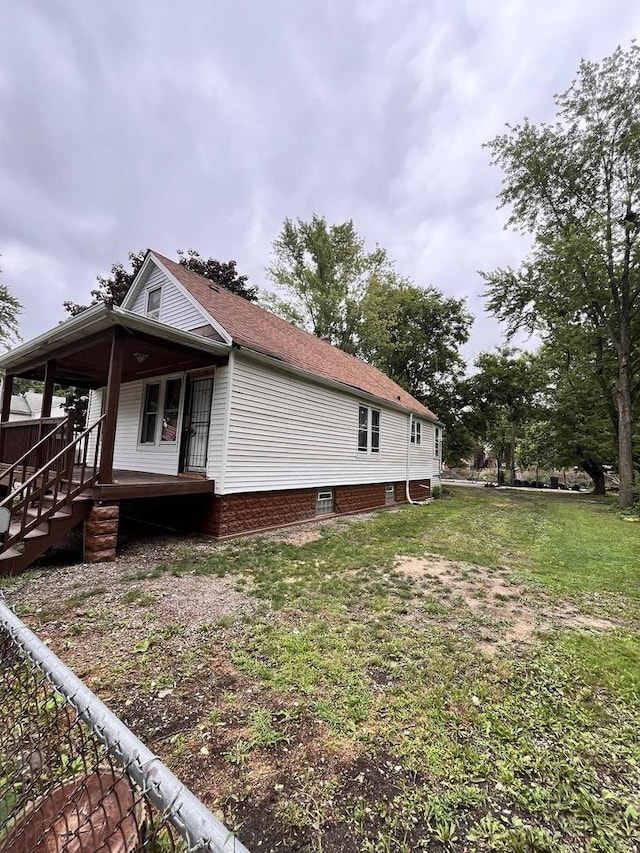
(54, 485)
(37, 437)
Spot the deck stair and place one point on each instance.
(48, 499)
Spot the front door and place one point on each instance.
(195, 429)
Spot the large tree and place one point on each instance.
(575, 187)
(504, 391)
(414, 335)
(353, 298)
(581, 416)
(324, 271)
(112, 289)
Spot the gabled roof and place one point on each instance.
(263, 332)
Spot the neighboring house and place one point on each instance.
(29, 405)
(217, 416)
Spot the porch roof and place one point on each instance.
(80, 349)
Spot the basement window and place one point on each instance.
(324, 502)
(390, 493)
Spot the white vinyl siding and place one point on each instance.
(216, 431)
(421, 455)
(286, 432)
(176, 309)
(129, 454)
(94, 410)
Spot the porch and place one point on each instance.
(129, 485)
(51, 472)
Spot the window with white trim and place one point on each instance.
(368, 430)
(416, 432)
(154, 297)
(436, 441)
(324, 502)
(160, 411)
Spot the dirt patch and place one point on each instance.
(508, 612)
(300, 537)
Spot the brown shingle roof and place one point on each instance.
(259, 330)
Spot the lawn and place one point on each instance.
(462, 676)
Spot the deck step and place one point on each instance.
(10, 553)
(35, 533)
(33, 512)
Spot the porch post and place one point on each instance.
(111, 406)
(47, 394)
(7, 391)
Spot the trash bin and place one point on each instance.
(554, 482)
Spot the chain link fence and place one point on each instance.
(72, 776)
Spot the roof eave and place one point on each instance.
(333, 383)
(96, 319)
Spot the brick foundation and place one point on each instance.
(101, 534)
(223, 516)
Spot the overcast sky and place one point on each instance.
(128, 124)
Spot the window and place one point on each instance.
(150, 413)
(153, 303)
(436, 441)
(171, 407)
(368, 430)
(416, 432)
(363, 429)
(390, 493)
(161, 406)
(324, 502)
(375, 431)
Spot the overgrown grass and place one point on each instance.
(379, 721)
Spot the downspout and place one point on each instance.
(407, 482)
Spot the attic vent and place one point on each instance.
(215, 287)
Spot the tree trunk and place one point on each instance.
(513, 454)
(596, 472)
(625, 429)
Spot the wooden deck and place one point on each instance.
(129, 485)
(139, 484)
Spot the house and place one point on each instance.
(29, 405)
(206, 413)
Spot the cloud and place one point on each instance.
(204, 125)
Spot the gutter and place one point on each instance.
(98, 318)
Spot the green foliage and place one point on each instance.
(414, 335)
(10, 309)
(325, 272)
(355, 300)
(112, 290)
(503, 394)
(574, 186)
(223, 273)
